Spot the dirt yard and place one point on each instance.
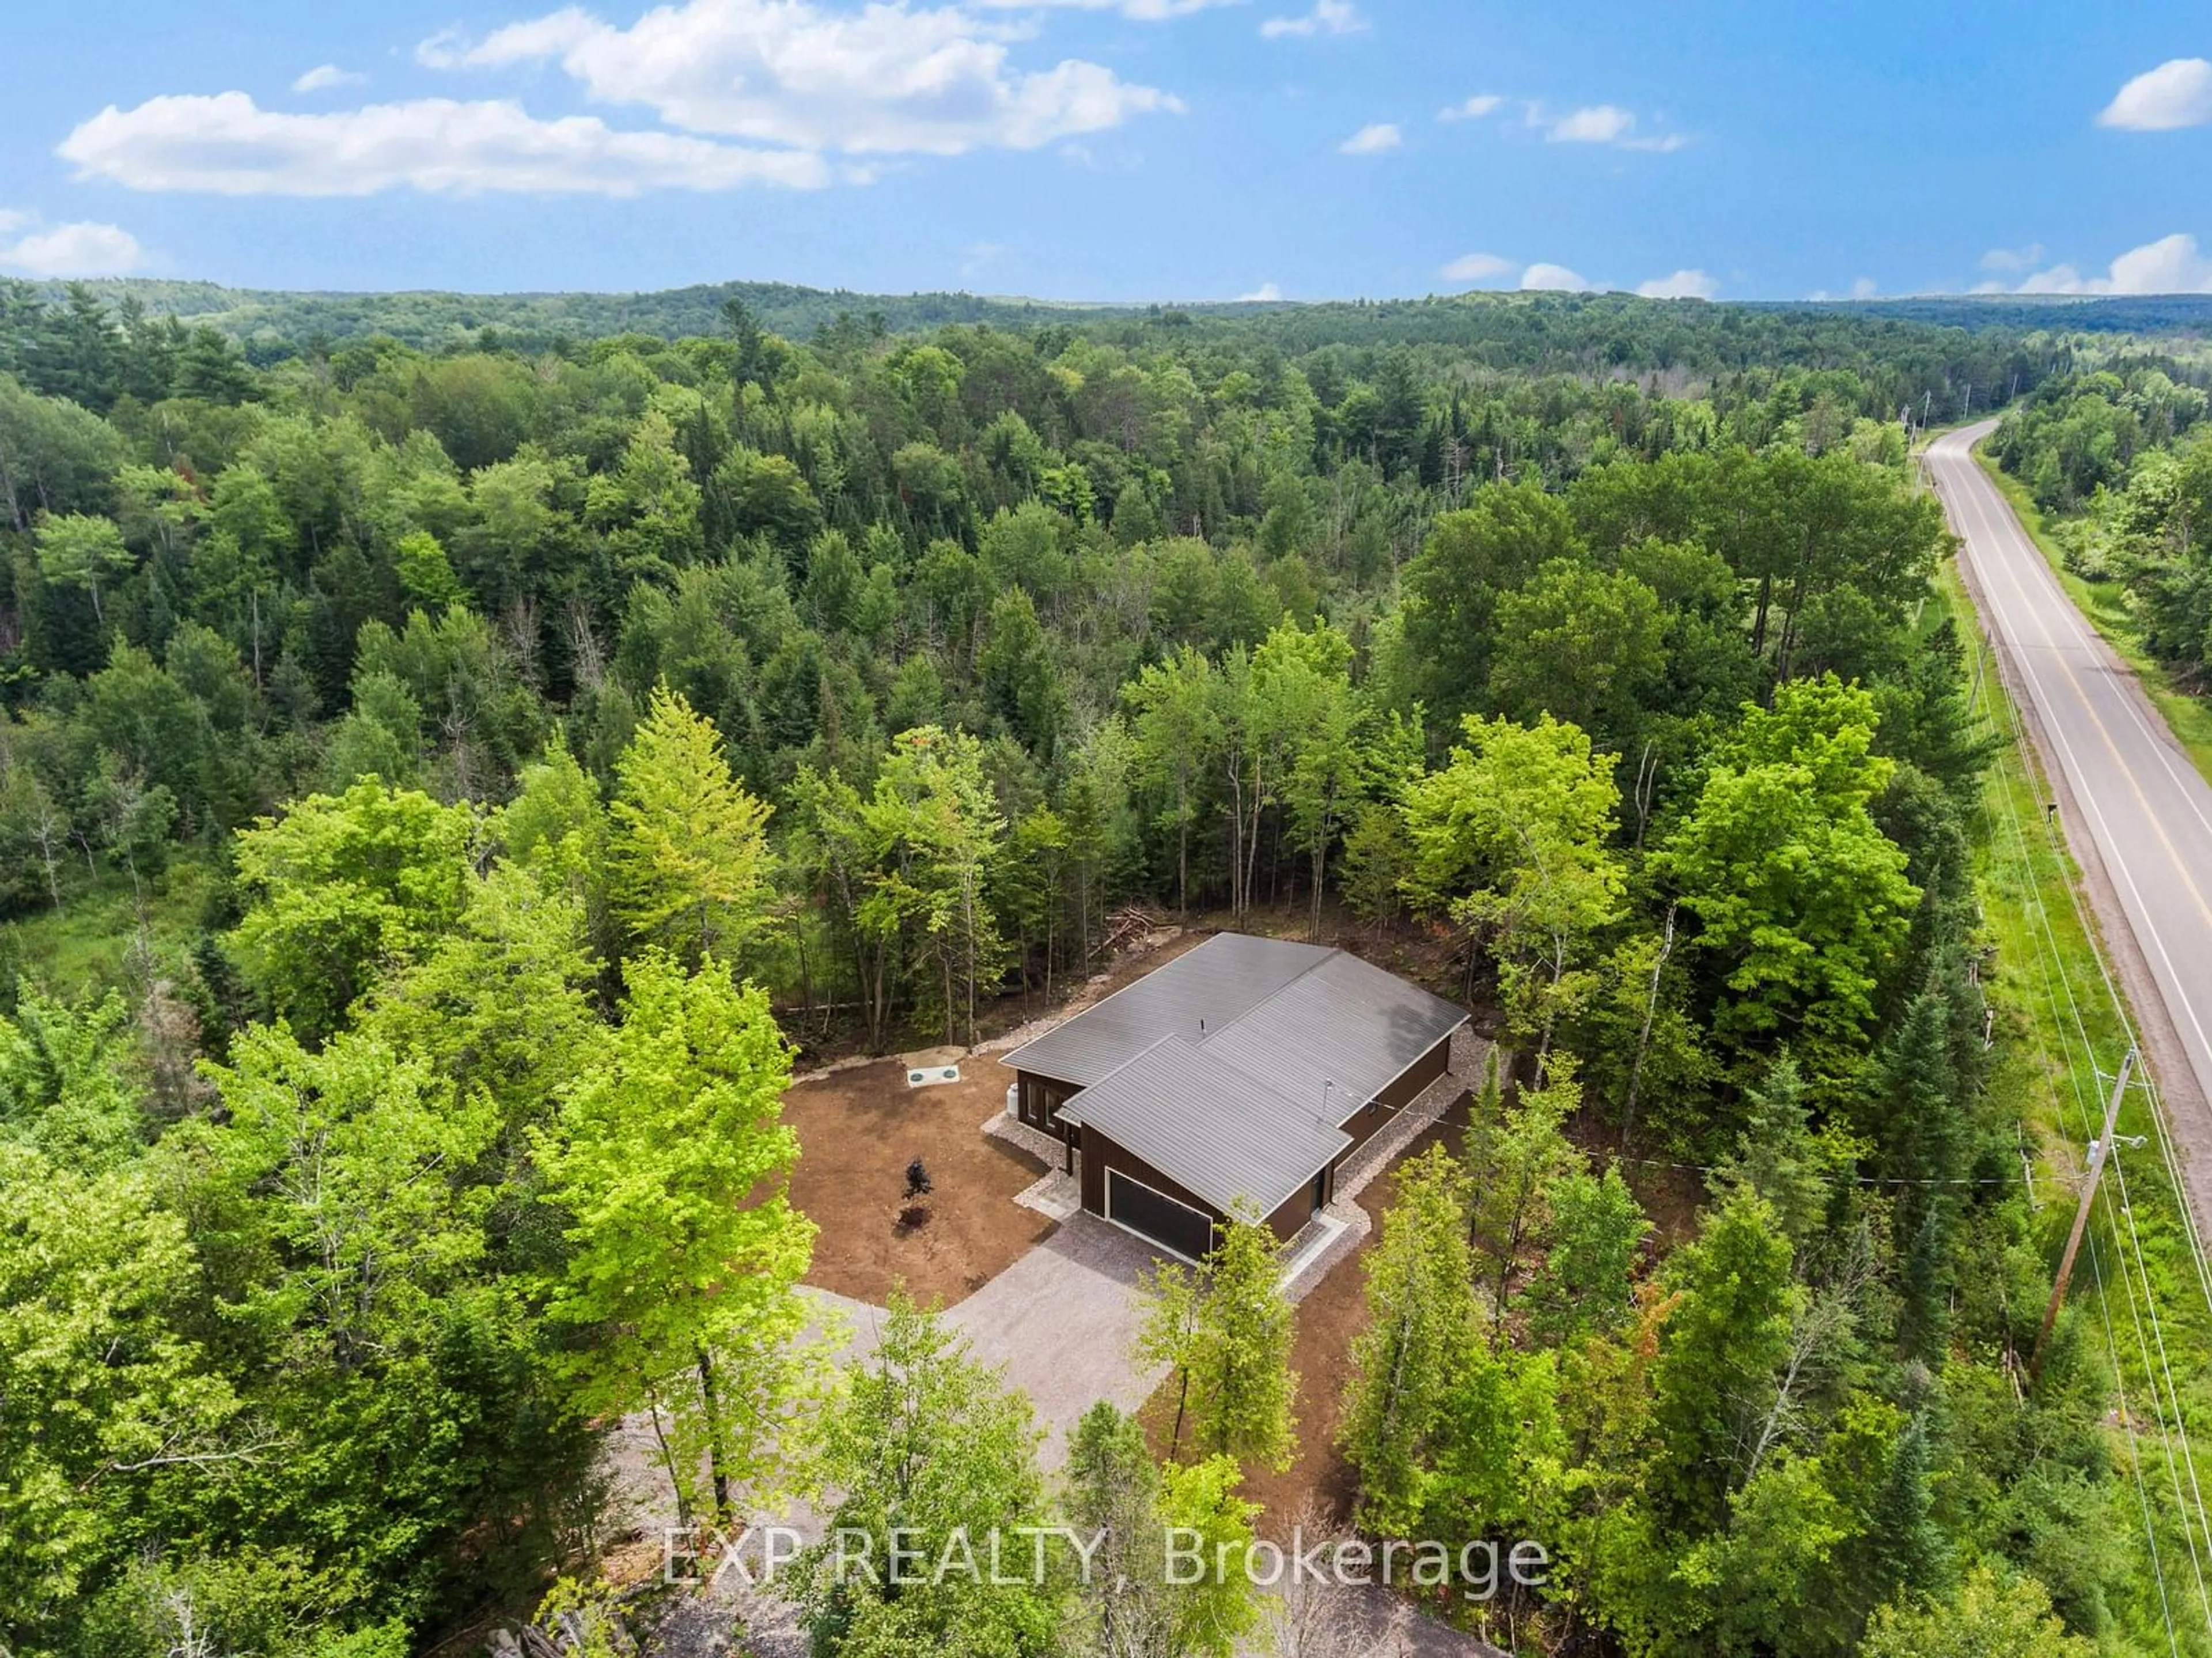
(859, 1126)
(858, 1129)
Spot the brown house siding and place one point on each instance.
(1400, 1092)
(1099, 1154)
(1417, 1076)
(1037, 1098)
(1286, 1221)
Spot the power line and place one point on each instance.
(2051, 963)
(1861, 1180)
(2032, 898)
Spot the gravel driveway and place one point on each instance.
(1062, 1321)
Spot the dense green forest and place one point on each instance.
(496, 751)
(2121, 457)
(1637, 333)
(1936, 348)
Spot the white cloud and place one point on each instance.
(1145, 11)
(68, 250)
(1373, 139)
(2013, 259)
(1552, 277)
(1327, 17)
(2177, 94)
(1479, 268)
(977, 257)
(226, 145)
(324, 77)
(1682, 285)
(2059, 279)
(1597, 124)
(1472, 109)
(1602, 123)
(1539, 277)
(1265, 294)
(887, 79)
(1862, 288)
(2171, 264)
(447, 49)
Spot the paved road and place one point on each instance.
(2134, 807)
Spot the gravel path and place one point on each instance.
(1062, 1321)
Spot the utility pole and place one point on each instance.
(2098, 1148)
(1969, 409)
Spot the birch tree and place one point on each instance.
(937, 827)
(1175, 723)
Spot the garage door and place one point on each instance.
(1175, 1226)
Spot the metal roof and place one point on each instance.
(1194, 995)
(1345, 1021)
(1213, 1129)
(1231, 1069)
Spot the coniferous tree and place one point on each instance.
(1224, 1330)
(688, 852)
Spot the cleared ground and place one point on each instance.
(858, 1129)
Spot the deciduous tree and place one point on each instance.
(1421, 1332)
(925, 1438)
(1510, 839)
(669, 1161)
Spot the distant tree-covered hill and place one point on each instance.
(2149, 313)
(1971, 339)
(272, 322)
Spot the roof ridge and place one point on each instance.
(1069, 1018)
(1330, 952)
(1254, 1108)
(1166, 1036)
(1226, 939)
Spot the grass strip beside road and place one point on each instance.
(2139, 1284)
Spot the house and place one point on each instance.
(1244, 1071)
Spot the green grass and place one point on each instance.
(2187, 714)
(2049, 979)
(85, 947)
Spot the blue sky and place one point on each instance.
(1114, 150)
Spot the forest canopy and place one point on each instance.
(453, 752)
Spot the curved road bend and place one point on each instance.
(2131, 794)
